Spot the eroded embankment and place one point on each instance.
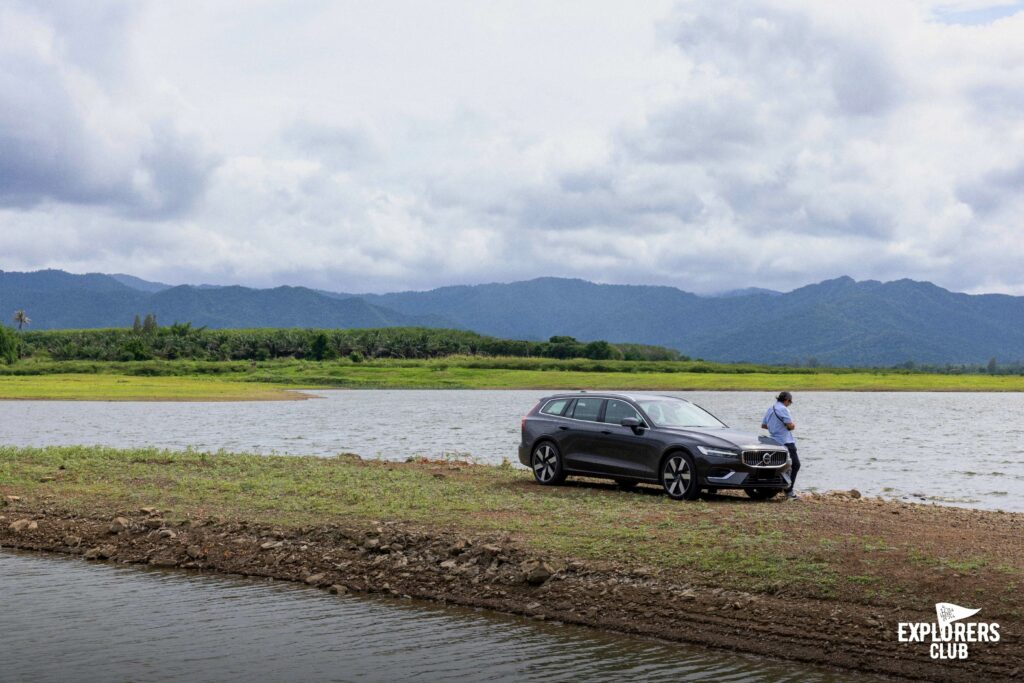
(495, 571)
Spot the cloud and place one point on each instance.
(73, 130)
(708, 144)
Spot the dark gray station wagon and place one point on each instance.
(634, 438)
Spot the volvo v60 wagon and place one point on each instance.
(635, 438)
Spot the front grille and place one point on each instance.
(765, 479)
(757, 458)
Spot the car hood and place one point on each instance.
(726, 437)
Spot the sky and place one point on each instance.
(391, 145)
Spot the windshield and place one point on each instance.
(667, 412)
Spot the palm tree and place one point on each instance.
(21, 318)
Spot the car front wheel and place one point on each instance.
(546, 463)
(679, 477)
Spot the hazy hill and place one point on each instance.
(55, 299)
(840, 321)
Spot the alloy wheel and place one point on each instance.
(545, 463)
(677, 476)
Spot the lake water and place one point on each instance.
(63, 619)
(953, 448)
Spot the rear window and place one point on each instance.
(555, 407)
(617, 410)
(587, 409)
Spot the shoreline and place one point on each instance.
(823, 580)
(492, 572)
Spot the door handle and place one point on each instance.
(606, 431)
(562, 427)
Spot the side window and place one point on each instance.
(555, 407)
(587, 409)
(617, 410)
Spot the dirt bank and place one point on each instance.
(498, 571)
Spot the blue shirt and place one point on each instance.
(776, 418)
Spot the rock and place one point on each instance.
(11, 499)
(195, 552)
(23, 525)
(537, 573)
(73, 541)
(315, 579)
(449, 564)
(163, 562)
(167, 533)
(148, 511)
(43, 480)
(270, 545)
(854, 493)
(457, 547)
(371, 543)
(339, 589)
(101, 552)
(491, 550)
(118, 525)
(154, 523)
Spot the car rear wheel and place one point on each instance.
(546, 463)
(679, 477)
(761, 494)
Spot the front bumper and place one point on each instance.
(772, 478)
(735, 473)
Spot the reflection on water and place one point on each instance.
(64, 620)
(958, 448)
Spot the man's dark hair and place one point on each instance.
(784, 396)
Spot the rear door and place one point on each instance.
(581, 434)
(622, 452)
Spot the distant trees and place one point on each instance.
(21, 319)
(9, 345)
(137, 325)
(180, 340)
(992, 367)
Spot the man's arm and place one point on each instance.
(790, 426)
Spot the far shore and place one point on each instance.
(271, 380)
(823, 580)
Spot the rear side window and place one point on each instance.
(587, 409)
(617, 410)
(555, 407)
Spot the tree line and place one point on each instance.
(147, 340)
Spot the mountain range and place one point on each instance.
(836, 322)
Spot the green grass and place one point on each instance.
(733, 542)
(67, 379)
(129, 388)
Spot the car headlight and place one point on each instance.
(720, 452)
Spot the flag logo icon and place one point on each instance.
(947, 613)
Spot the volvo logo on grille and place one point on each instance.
(766, 459)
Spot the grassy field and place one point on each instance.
(248, 380)
(93, 387)
(855, 549)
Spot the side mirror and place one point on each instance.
(633, 423)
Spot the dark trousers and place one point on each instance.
(796, 464)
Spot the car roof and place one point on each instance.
(630, 396)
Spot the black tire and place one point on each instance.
(626, 484)
(546, 463)
(762, 494)
(679, 476)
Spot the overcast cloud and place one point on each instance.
(391, 145)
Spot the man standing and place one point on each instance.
(779, 423)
